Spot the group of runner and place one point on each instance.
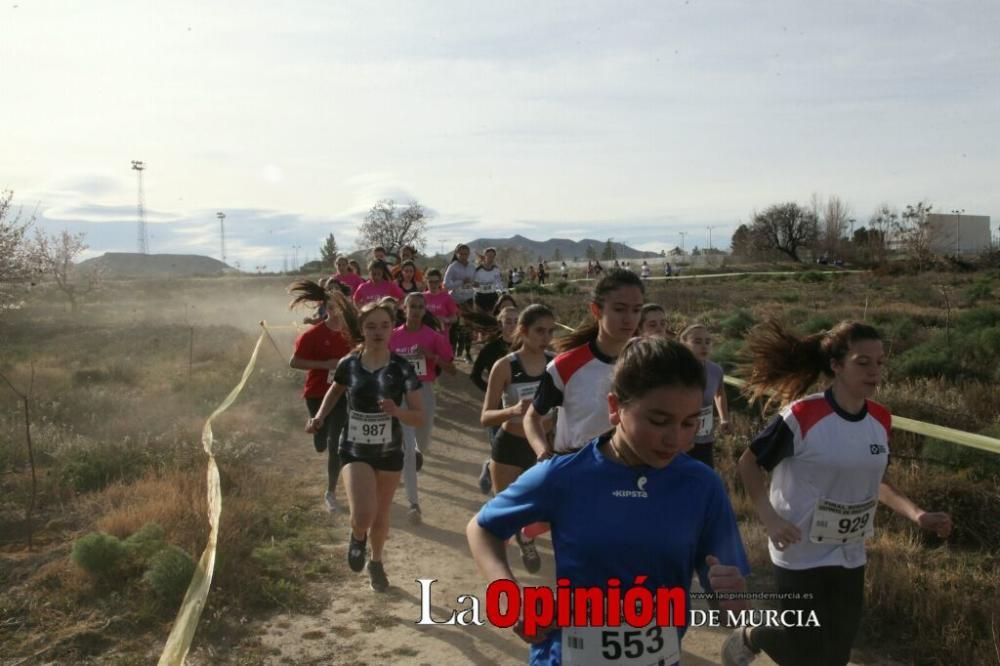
(608, 442)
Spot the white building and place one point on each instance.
(959, 234)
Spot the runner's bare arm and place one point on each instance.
(722, 406)
(492, 414)
(534, 431)
(333, 394)
(412, 416)
(939, 523)
(781, 532)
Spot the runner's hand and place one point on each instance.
(781, 532)
(726, 579)
(389, 407)
(313, 425)
(548, 453)
(540, 633)
(725, 427)
(939, 523)
(520, 409)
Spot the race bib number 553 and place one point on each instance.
(631, 646)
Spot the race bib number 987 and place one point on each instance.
(366, 428)
(631, 646)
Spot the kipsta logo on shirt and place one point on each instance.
(877, 449)
(640, 483)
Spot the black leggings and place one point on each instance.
(837, 596)
(460, 336)
(328, 437)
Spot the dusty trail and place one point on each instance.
(359, 626)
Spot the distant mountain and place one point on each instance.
(134, 265)
(567, 248)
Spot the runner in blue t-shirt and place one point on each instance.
(626, 505)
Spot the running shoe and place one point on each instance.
(331, 501)
(485, 482)
(529, 554)
(414, 514)
(420, 461)
(376, 576)
(735, 651)
(356, 553)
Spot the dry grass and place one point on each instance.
(138, 411)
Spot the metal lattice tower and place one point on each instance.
(143, 234)
(222, 234)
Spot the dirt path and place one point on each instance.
(358, 626)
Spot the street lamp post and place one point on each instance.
(958, 228)
(682, 234)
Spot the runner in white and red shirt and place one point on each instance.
(827, 454)
(579, 378)
(420, 342)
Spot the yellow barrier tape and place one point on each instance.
(182, 633)
(960, 437)
(701, 276)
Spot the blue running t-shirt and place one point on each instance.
(612, 521)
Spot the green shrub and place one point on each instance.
(98, 554)
(931, 360)
(145, 542)
(728, 354)
(169, 574)
(817, 324)
(812, 276)
(737, 324)
(85, 469)
(978, 290)
(978, 464)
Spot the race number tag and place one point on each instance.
(329, 376)
(834, 522)
(366, 428)
(419, 363)
(527, 391)
(484, 288)
(626, 645)
(707, 421)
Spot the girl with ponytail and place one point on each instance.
(827, 453)
(317, 351)
(578, 379)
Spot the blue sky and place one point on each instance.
(634, 120)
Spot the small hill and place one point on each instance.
(567, 248)
(134, 265)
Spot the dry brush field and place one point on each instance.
(122, 388)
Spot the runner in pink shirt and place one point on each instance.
(379, 286)
(425, 348)
(345, 277)
(439, 301)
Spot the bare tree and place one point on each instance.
(388, 226)
(786, 228)
(881, 226)
(16, 266)
(55, 256)
(836, 217)
(915, 233)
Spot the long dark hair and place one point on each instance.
(616, 278)
(783, 365)
(646, 364)
(529, 317)
(454, 255)
(307, 291)
(428, 320)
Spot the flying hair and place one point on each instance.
(307, 291)
(784, 366)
